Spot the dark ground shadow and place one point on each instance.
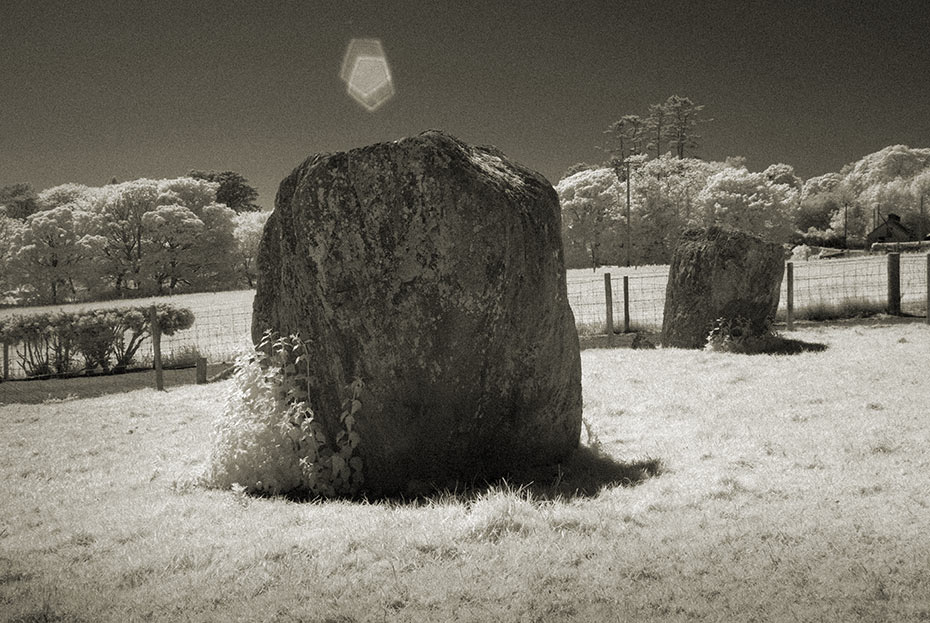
(584, 474)
(777, 345)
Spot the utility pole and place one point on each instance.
(923, 225)
(629, 224)
(845, 224)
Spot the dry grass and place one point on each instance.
(794, 488)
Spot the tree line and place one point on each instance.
(651, 167)
(74, 242)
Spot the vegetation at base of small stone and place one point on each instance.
(734, 335)
(104, 340)
(268, 440)
(730, 335)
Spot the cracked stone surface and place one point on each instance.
(434, 271)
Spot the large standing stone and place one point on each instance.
(434, 271)
(720, 273)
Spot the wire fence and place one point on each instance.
(820, 287)
(222, 325)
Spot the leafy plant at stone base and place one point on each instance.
(731, 335)
(270, 441)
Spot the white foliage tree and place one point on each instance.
(750, 202)
(55, 251)
(591, 216)
(248, 232)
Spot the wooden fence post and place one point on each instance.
(6, 352)
(928, 288)
(894, 284)
(789, 278)
(201, 370)
(609, 298)
(156, 348)
(626, 303)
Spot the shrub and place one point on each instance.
(95, 333)
(48, 343)
(269, 441)
(44, 343)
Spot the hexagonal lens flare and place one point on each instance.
(366, 73)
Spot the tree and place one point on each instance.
(683, 118)
(750, 202)
(577, 168)
(19, 201)
(9, 229)
(892, 162)
(591, 221)
(248, 233)
(122, 208)
(921, 190)
(783, 174)
(66, 194)
(54, 251)
(217, 269)
(623, 138)
(171, 246)
(187, 237)
(233, 190)
(657, 127)
(666, 194)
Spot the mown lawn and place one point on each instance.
(793, 488)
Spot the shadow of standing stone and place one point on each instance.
(720, 273)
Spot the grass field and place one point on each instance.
(792, 489)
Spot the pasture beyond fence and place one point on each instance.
(623, 299)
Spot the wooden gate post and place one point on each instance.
(894, 284)
(609, 298)
(626, 303)
(201, 370)
(156, 348)
(6, 351)
(789, 278)
(928, 288)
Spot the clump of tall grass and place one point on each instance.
(835, 310)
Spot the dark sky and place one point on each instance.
(94, 89)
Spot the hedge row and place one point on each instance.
(97, 339)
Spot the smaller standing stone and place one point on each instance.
(720, 273)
